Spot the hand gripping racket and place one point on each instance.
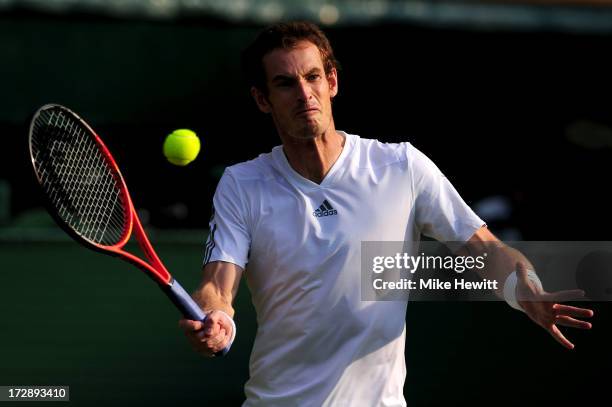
(88, 198)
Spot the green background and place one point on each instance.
(506, 101)
(73, 317)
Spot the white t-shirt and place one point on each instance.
(317, 342)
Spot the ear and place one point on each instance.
(261, 100)
(332, 79)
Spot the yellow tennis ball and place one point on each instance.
(181, 146)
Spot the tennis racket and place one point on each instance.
(89, 199)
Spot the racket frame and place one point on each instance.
(156, 270)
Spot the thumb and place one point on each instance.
(190, 325)
(210, 326)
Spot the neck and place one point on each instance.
(313, 158)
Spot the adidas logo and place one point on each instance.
(325, 210)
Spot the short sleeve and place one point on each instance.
(441, 213)
(229, 238)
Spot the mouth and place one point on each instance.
(307, 111)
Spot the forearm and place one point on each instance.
(218, 287)
(209, 298)
(501, 259)
(501, 262)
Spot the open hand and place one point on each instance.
(544, 308)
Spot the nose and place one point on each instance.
(303, 91)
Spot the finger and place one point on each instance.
(566, 295)
(198, 344)
(205, 345)
(556, 333)
(214, 339)
(204, 337)
(561, 309)
(201, 338)
(220, 318)
(211, 328)
(190, 325)
(571, 322)
(215, 344)
(194, 331)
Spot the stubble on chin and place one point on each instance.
(307, 131)
(311, 130)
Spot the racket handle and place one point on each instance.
(183, 301)
(188, 307)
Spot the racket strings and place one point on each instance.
(74, 172)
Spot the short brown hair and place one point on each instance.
(284, 36)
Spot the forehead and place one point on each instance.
(291, 61)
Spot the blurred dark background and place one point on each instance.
(511, 100)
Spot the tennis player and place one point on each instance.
(297, 217)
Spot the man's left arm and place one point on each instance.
(516, 276)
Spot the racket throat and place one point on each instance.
(147, 249)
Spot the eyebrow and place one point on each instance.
(283, 77)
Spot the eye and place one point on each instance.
(283, 84)
(313, 77)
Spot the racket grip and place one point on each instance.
(183, 301)
(188, 307)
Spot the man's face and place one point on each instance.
(299, 93)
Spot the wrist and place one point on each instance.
(233, 324)
(510, 288)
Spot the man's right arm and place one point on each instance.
(215, 296)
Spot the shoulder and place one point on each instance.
(257, 169)
(241, 183)
(373, 153)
